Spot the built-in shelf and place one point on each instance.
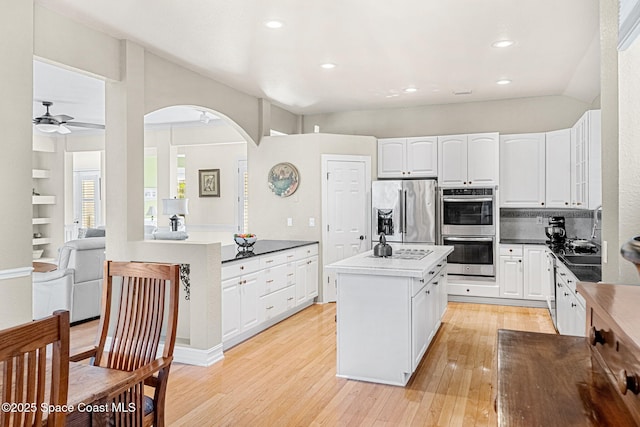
(43, 200)
(38, 221)
(41, 241)
(40, 173)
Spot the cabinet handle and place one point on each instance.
(290, 274)
(519, 260)
(465, 183)
(431, 272)
(559, 284)
(268, 261)
(566, 294)
(409, 173)
(403, 173)
(566, 203)
(510, 250)
(435, 283)
(309, 262)
(569, 281)
(470, 182)
(573, 305)
(628, 382)
(596, 336)
(240, 282)
(290, 256)
(270, 307)
(428, 292)
(270, 281)
(289, 299)
(562, 274)
(242, 267)
(442, 275)
(439, 265)
(542, 203)
(578, 203)
(421, 280)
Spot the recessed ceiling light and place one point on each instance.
(273, 24)
(328, 66)
(503, 82)
(411, 90)
(502, 43)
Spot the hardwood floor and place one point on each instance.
(285, 376)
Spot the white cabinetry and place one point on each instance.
(522, 170)
(524, 272)
(511, 271)
(423, 310)
(468, 160)
(570, 306)
(42, 204)
(258, 292)
(586, 168)
(407, 157)
(558, 169)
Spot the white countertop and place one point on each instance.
(366, 263)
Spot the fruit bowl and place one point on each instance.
(245, 241)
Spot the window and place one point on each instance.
(87, 198)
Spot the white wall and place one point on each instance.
(628, 156)
(536, 114)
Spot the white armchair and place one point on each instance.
(76, 285)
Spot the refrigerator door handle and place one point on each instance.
(401, 206)
(404, 211)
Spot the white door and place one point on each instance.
(558, 168)
(422, 157)
(452, 161)
(345, 212)
(522, 170)
(483, 152)
(536, 275)
(511, 277)
(391, 157)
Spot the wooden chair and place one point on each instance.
(23, 378)
(133, 342)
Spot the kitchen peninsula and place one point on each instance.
(388, 311)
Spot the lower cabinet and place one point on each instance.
(524, 272)
(261, 291)
(570, 306)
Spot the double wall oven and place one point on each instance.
(468, 219)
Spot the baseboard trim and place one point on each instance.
(189, 355)
(13, 273)
(499, 301)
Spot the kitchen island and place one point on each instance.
(388, 311)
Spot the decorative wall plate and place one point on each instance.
(283, 179)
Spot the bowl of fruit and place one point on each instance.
(245, 241)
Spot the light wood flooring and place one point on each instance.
(285, 376)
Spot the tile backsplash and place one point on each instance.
(523, 223)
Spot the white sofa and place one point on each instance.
(76, 285)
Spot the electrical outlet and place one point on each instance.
(289, 222)
(312, 222)
(538, 220)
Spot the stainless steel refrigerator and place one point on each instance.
(404, 210)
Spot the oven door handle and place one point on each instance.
(483, 199)
(469, 239)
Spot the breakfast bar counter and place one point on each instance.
(230, 253)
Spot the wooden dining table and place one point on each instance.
(90, 388)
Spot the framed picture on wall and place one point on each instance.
(209, 182)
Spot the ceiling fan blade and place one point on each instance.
(63, 130)
(85, 125)
(62, 118)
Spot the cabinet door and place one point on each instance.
(536, 273)
(392, 158)
(558, 169)
(231, 323)
(442, 295)
(452, 161)
(522, 170)
(579, 164)
(312, 277)
(563, 318)
(419, 325)
(249, 299)
(483, 154)
(576, 317)
(511, 277)
(422, 157)
(301, 281)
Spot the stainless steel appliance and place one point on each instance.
(556, 232)
(404, 210)
(468, 211)
(468, 223)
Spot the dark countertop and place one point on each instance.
(230, 252)
(523, 242)
(584, 273)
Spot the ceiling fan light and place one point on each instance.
(204, 117)
(63, 130)
(47, 127)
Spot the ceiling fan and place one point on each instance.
(48, 123)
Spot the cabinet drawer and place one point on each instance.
(617, 353)
(490, 291)
(290, 273)
(290, 256)
(272, 279)
(511, 250)
(273, 259)
(277, 302)
(306, 251)
(237, 268)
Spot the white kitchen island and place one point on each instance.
(388, 310)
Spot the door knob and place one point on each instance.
(361, 237)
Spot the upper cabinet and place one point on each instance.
(468, 160)
(586, 167)
(558, 169)
(522, 170)
(407, 157)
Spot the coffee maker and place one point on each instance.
(556, 232)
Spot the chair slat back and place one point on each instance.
(140, 313)
(23, 367)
